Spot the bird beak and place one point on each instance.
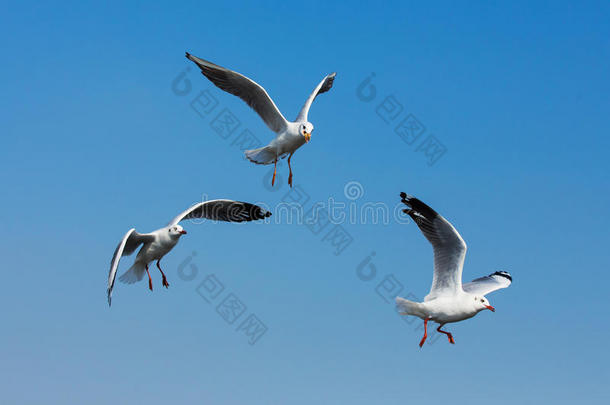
(307, 136)
(183, 232)
(492, 309)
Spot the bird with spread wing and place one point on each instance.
(290, 135)
(449, 300)
(158, 243)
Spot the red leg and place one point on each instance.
(274, 170)
(165, 283)
(425, 332)
(290, 168)
(449, 336)
(149, 279)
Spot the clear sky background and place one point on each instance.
(96, 140)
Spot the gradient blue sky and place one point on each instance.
(94, 141)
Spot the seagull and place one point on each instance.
(157, 244)
(291, 135)
(449, 300)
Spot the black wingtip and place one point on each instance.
(503, 274)
(417, 205)
(258, 212)
(187, 55)
(406, 199)
(328, 83)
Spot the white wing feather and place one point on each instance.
(488, 284)
(130, 242)
(449, 247)
(325, 85)
(245, 88)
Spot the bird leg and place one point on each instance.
(274, 170)
(290, 168)
(449, 336)
(165, 283)
(421, 343)
(149, 279)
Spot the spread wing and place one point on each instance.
(223, 210)
(247, 89)
(487, 284)
(449, 247)
(130, 242)
(325, 85)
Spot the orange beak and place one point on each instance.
(183, 232)
(307, 136)
(492, 309)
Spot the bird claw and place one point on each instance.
(165, 283)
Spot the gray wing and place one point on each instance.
(487, 284)
(247, 89)
(449, 247)
(130, 242)
(325, 85)
(223, 210)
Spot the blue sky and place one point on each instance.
(96, 141)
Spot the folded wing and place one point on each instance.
(449, 247)
(247, 89)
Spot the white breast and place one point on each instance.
(161, 246)
(289, 140)
(449, 309)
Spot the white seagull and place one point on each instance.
(291, 135)
(449, 300)
(160, 242)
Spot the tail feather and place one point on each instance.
(407, 307)
(262, 156)
(134, 274)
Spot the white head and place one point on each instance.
(176, 231)
(306, 129)
(481, 303)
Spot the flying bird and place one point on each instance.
(449, 300)
(158, 243)
(290, 135)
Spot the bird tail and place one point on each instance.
(406, 307)
(134, 274)
(261, 156)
